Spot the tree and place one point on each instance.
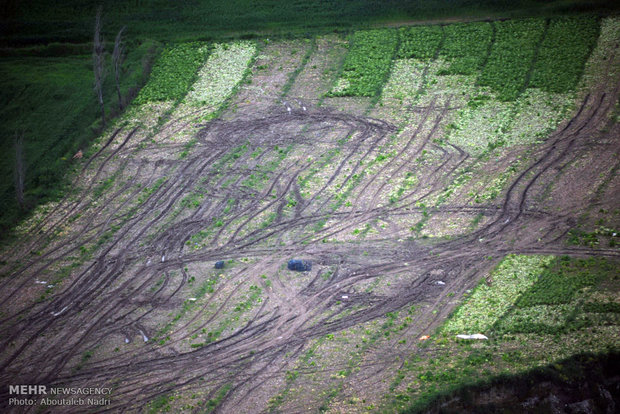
(117, 57)
(20, 169)
(98, 63)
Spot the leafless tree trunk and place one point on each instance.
(117, 57)
(98, 61)
(20, 169)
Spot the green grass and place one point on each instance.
(51, 100)
(185, 20)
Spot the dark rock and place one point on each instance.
(299, 265)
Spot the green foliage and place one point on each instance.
(595, 238)
(193, 200)
(420, 42)
(602, 307)
(511, 57)
(563, 53)
(367, 64)
(173, 72)
(465, 46)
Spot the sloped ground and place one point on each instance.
(115, 285)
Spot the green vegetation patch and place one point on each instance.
(50, 102)
(173, 73)
(529, 294)
(562, 300)
(538, 310)
(419, 42)
(512, 277)
(160, 404)
(466, 47)
(480, 124)
(536, 114)
(223, 70)
(367, 64)
(511, 56)
(563, 53)
(212, 403)
(559, 283)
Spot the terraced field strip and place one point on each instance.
(402, 199)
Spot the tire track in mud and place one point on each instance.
(68, 313)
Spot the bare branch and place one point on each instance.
(117, 57)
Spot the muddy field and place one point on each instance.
(115, 285)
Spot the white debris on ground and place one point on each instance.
(345, 297)
(473, 336)
(58, 313)
(439, 282)
(144, 337)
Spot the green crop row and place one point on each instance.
(367, 64)
(466, 46)
(511, 57)
(563, 53)
(420, 42)
(173, 72)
